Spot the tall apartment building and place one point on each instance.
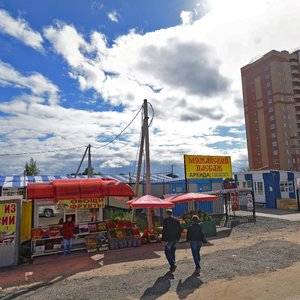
(271, 93)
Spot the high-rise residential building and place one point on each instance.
(271, 93)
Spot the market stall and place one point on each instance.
(208, 225)
(83, 200)
(150, 202)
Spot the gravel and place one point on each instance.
(152, 282)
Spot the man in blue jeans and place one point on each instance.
(196, 237)
(171, 234)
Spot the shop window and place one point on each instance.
(286, 186)
(48, 214)
(247, 184)
(260, 188)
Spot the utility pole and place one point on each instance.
(89, 162)
(145, 140)
(147, 150)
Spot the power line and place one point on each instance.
(41, 152)
(110, 142)
(71, 148)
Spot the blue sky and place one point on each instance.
(74, 73)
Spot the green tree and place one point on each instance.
(31, 168)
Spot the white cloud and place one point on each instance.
(35, 82)
(187, 17)
(113, 16)
(190, 74)
(20, 29)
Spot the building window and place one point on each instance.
(272, 118)
(268, 84)
(274, 135)
(274, 144)
(270, 100)
(247, 184)
(286, 186)
(269, 92)
(273, 126)
(275, 152)
(259, 188)
(271, 109)
(276, 161)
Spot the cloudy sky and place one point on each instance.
(74, 73)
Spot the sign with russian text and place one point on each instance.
(199, 166)
(8, 221)
(81, 203)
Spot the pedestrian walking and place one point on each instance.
(171, 234)
(68, 234)
(196, 238)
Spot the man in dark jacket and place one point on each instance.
(196, 237)
(171, 234)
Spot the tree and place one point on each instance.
(31, 168)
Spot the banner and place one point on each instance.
(198, 166)
(8, 222)
(81, 203)
(235, 201)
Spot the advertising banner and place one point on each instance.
(199, 166)
(81, 203)
(235, 201)
(8, 222)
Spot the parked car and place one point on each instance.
(47, 211)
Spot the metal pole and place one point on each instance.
(138, 175)
(89, 162)
(81, 161)
(147, 148)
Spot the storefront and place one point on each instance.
(83, 200)
(10, 213)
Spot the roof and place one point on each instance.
(21, 181)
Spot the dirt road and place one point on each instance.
(256, 261)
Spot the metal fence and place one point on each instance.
(235, 206)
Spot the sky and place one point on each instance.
(76, 73)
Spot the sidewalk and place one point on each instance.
(289, 215)
(48, 269)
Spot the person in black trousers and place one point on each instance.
(171, 234)
(196, 238)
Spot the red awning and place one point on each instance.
(79, 189)
(40, 191)
(118, 188)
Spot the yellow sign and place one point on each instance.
(198, 166)
(8, 217)
(81, 203)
